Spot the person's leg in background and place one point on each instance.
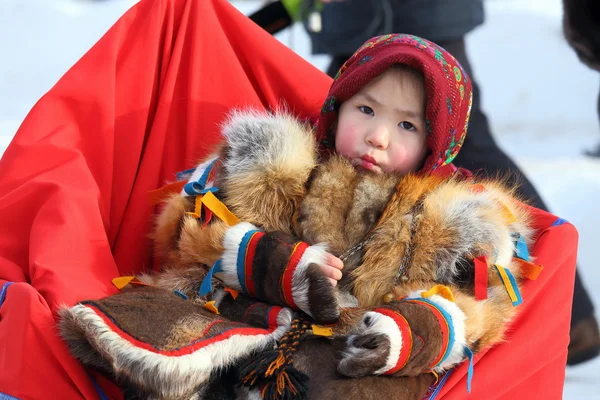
(595, 152)
(480, 152)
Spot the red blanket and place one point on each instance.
(146, 102)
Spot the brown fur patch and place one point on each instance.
(322, 215)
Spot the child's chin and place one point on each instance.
(363, 170)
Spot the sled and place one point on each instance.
(144, 102)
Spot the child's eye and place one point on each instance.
(407, 125)
(366, 110)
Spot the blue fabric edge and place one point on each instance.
(4, 396)
(440, 385)
(101, 393)
(3, 292)
(559, 221)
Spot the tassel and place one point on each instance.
(273, 370)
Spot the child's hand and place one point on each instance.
(332, 269)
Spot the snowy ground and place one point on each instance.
(543, 113)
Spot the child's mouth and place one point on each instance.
(369, 163)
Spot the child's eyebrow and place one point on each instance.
(409, 113)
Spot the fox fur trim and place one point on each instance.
(395, 234)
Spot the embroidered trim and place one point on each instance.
(406, 334)
(245, 258)
(446, 326)
(288, 273)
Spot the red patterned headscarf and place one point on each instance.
(447, 86)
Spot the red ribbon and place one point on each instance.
(481, 278)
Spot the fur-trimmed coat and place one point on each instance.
(416, 250)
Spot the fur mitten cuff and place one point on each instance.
(276, 268)
(420, 333)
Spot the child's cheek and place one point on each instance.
(346, 139)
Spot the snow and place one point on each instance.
(541, 101)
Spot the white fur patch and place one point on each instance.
(346, 299)
(170, 376)
(386, 325)
(300, 285)
(457, 352)
(231, 244)
(267, 142)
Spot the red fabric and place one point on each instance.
(143, 103)
(531, 363)
(448, 88)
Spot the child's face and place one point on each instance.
(382, 127)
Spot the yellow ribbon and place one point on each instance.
(441, 290)
(216, 206)
(219, 209)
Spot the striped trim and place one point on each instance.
(288, 273)
(3, 292)
(272, 314)
(510, 284)
(244, 260)
(445, 321)
(194, 345)
(406, 335)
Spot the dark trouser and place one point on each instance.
(481, 153)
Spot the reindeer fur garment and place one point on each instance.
(399, 236)
(270, 176)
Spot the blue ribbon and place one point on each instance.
(469, 354)
(195, 188)
(206, 285)
(521, 249)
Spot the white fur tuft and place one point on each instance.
(383, 324)
(300, 285)
(231, 244)
(263, 141)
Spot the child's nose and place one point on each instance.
(379, 136)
